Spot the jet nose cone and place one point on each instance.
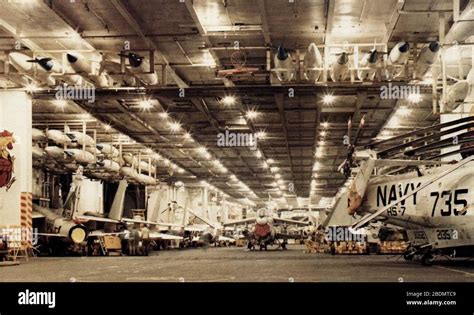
(282, 54)
(434, 46)
(373, 56)
(71, 58)
(404, 47)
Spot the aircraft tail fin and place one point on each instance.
(116, 211)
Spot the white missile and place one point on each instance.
(130, 159)
(93, 150)
(426, 58)
(456, 93)
(57, 136)
(37, 135)
(146, 180)
(81, 156)
(109, 165)
(37, 152)
(107, 149)
(369, 60)
(459, 92)
(128, 172)
(340, 68)
(398, 57)
(81, 138)
(25, 64)
(54, 152)
(145, 167)
(312, 60)
(139, 67)
(284, 67)
(91, 70)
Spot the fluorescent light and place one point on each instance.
(274, 169)
(325, 125)
(60, 103)
(145, 104)
(270, 161)
(174, 126)
(328, 99)
(107, 127)
(163, 115)
(414, 98)
(251, 114)
(228, 100)
(403, 111)
(322, 133)
(261, 135)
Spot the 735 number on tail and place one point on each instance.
(453, 203)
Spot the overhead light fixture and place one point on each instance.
(201, 150)
(322, 142)
(325, 125)
(280, 181)
(224, 170)
(414, 98)
(148, 151)
(145, 104)
(322, 133)
(187, 136)
(180, 170)
(274, 169)
(319, 153)
(156, 156)
(251, 114)
(60, 103)
(270, 161)
(274, 184)
(228, 100)
(166, 161)
(175, 126)
(163, 115)
(328, 99)
(277, 176)
(233, 177)
(403, 111)
(261, 135)
(264, 165)
(107, 127)
(31, 87)
(207, 155)
(258, 154)
(316, 166)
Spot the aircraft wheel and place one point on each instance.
(427, 260)
(408, 256)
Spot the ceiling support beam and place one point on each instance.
(201, 105)
(207, 41)
(279, 100)
(131, 21)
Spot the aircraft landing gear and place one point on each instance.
(427, 259)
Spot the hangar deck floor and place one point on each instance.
(236, 265)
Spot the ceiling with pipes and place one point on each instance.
(300, 126)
